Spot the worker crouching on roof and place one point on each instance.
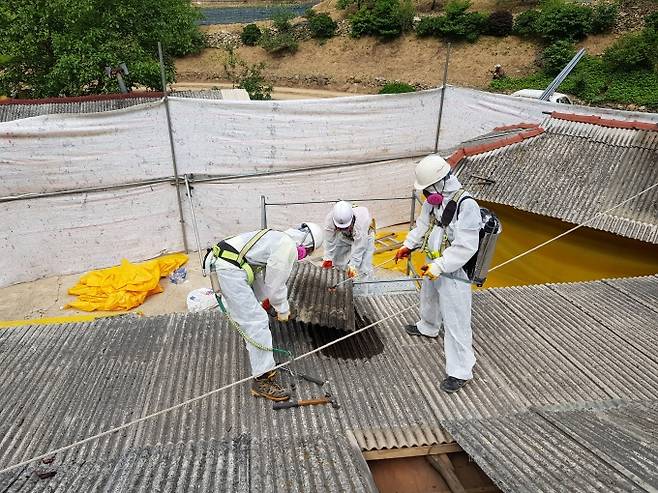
(252, 268)
(449, 240)
(350, 239)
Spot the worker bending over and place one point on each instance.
(448, 247)
(350, 239)
(252, 268)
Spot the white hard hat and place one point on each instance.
(343, 214)
(429, 170)
(316, 237)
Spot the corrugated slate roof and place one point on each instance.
(591, 449)
(536, 346)
(315, 303)
(17, 109)
(323, 463)
(572, 171)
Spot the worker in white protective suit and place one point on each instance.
(349, 239)
(447, 247)
(253, 269)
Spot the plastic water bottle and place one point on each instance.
(178, 276)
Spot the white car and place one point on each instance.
(556, 97)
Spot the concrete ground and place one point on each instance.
(45, 298)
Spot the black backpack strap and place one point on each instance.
(451, 208)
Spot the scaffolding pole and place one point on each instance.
(443, 93)
(171, 145)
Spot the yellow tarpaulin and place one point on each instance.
(584, 255)
(125, 286)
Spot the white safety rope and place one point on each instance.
(302, 356)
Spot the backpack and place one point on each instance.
(478, 265)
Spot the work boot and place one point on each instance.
(452, 384)
(266, 386)
(412, 330)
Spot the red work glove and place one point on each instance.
(403, 252)
(267, 306)
(327, 264)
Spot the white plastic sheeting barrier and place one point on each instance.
(69, 151)
(233, 137)
(53, 235)
(227, 208)
(73, 233)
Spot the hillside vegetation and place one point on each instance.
(360, 45)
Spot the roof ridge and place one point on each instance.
(466, 151)
(605, 122)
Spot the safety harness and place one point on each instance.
(230, 254)
(446, 218)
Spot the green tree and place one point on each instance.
(61, 47)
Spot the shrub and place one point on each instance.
(524, 23)
(604, 17)
(278, 44)
(248, 77)
(281, 20)
(250, 35)
(651, 21)
(310, 13)
(429, 26)
(500, 23)
(556, 56)
(387, 19)
(560, 20)
(322, 26)
(396, 88)
(631, 52)
(361, 23)
(458, 24)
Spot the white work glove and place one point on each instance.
(431, 271)
(283, 317)
(352, 272)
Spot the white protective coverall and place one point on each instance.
(272, 258)
(352, 250)
(446, 301)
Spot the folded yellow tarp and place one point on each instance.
(125, 286)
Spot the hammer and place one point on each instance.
(327, 399)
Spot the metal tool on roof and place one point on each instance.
(306, 402)
(333, 288)
(326, 399)
(414, 279)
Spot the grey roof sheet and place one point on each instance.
(15, 111)
(590, 449)
(241, 464)
(315, 303)
(573, 171)
(535, 347)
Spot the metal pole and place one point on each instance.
(263, 213)
(194, 224)
(171, 145)
(443, 93)
(412, 218)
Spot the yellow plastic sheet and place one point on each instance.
(125, 286)
(584, 255)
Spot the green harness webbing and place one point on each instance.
(445, 243)
(244, 335)
(238, 259)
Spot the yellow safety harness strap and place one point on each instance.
(227, 252)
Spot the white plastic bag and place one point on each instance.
(201, 299)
